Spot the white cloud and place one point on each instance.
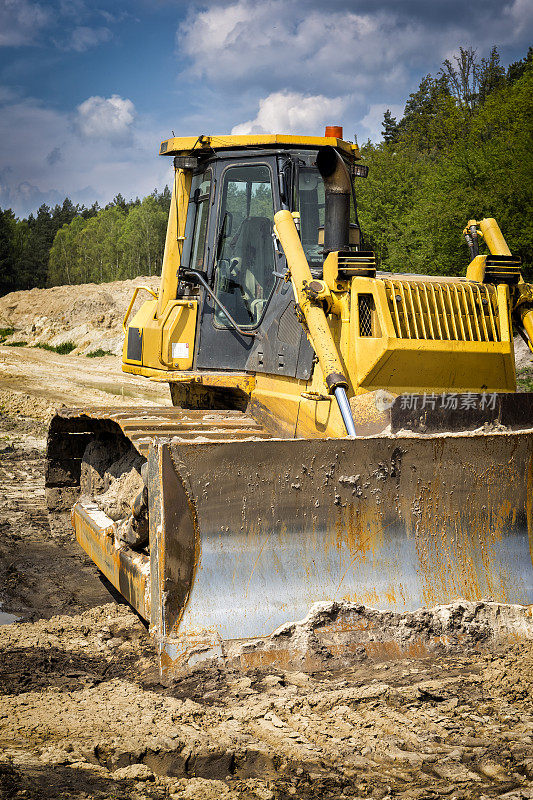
(60, 163)
(292, 112)
(83, 38)
(20, 21)
(272, 42)
(521, 14)
(368, 57)
(105, 118)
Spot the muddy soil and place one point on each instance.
(33, 383)
(83, 714)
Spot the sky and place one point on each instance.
(89, 89)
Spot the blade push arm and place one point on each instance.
(478, 270)
(315, 317)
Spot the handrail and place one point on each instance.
(197, 277)
(135, 293)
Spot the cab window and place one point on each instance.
(244, 247)
(200, 197)
(311, 205)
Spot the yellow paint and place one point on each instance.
(176, 326)
(122, 571)
(476, 269)
(494, 237)
(174, 239)
(319, 329)
(132, 301)
(276, 401)
(184, 145)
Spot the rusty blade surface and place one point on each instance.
(262, 529)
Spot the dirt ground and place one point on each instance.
(90, 316)
(83, 714)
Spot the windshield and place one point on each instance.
(245, 249)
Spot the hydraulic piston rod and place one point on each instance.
(346, 411)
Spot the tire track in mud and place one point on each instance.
(42, 570)
(82, 713)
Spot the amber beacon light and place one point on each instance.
(334, 130)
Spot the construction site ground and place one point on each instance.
(84, 715)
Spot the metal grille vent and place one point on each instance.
(366, 306)
(361, 264)
(289, 329)
(462, 312)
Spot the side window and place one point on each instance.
(245, 249)
(200, 196)
(311, 205)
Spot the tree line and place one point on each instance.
(70, 244)
(463, 149)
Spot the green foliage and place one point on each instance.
(16, 344)
(118, 242)
(62, 349)
(5, 332)
(99, 353)
(456, 155)
(390, 127)
(71, 244)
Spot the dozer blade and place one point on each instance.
(246, 536)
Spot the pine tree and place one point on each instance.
(390, 127)
(491, 75)
(517, 68)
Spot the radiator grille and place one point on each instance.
(462, 312)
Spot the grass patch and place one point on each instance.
(4, 332)
(99, 353)
(62, 349)
(524, 384)
(16, 344)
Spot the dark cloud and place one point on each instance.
(369, 57)
(54, 156)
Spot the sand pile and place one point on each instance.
(90, 315)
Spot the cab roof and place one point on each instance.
(185, 145)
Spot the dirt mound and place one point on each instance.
(20, 404)
(90, 315)
(336, 634)
(510, 674)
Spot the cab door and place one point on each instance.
(242, 262)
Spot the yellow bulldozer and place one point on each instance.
(336, 433)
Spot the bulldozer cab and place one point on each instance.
(229, 240)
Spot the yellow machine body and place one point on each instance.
(396, 470)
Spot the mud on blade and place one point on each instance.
(248, 535)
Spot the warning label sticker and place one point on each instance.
(180, 350)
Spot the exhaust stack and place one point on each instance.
(338, 189)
